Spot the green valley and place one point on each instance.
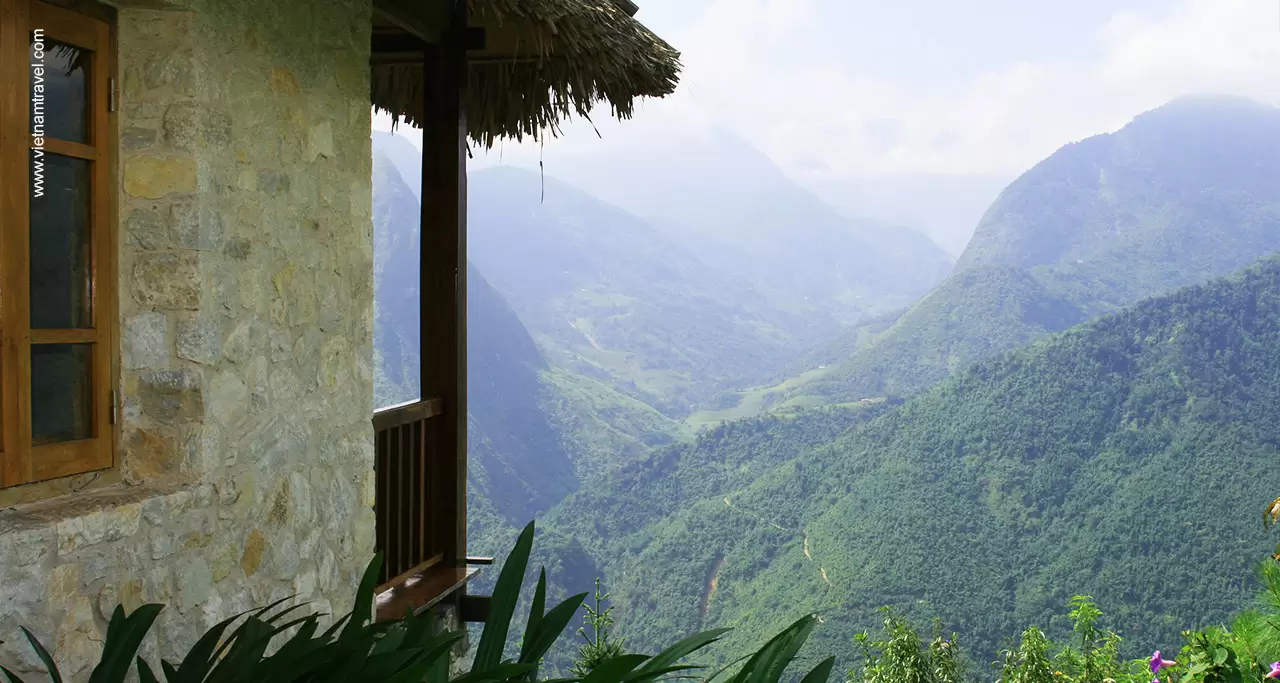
(1123, 459)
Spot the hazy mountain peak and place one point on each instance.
(1197, 174)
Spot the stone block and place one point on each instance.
(241, 342)
(237, 249)
(153, 177)
(182, 125)
(145, 343)
(254, 546)
(145, 229)
(228, 398)
(194, 581)
(150, 453)
(320, 141)
(273, 183)
(26, 547)
(167, 280)
(134, 138)
(175, 70)
(199, 338)
(171, 396)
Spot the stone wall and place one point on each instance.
(246, 336)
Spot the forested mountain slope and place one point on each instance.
(1124, 459)
(1180, 195)
(535, 432)
(739, 213)
(609, 296)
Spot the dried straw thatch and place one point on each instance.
(559, 57)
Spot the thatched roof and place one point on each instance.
(545, 61)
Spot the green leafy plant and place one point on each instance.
(901, 656)
(599, 645)
(357, 648)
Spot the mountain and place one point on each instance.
(396, 245)
(1124, 459)
(738, 212)
(608, 296)
(1180, 195)
(955, 201)
(976, 313)
(536, 432)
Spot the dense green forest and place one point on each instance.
(1124, 459)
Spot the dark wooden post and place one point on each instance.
(444, 270)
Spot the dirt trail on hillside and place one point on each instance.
(713, 581)
(807, 553)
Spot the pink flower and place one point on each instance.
(1275, 671)
(1158, 662)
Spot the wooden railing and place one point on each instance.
(411, 470)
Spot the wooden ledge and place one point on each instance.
(407, 413)
(424, 591)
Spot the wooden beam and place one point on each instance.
(429, 21)
(443, 275)
(396, 43)
(473, 608)
(406, 48)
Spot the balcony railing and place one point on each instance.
(410, 472)
(415, 513)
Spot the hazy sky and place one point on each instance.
(868, 87)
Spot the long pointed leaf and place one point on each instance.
(501, 672)
(10, 676)
(502, 605)
(43, 654)
(145, 674)
(654, 674)
(683, 649)
(199, 660)
(362, 612)
(775, 656)
(615, 668)
(549, 629)
(760, 662)
(536, 613)
(821, 672)
(121, 647)
(722, 670)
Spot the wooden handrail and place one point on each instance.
(406, 413)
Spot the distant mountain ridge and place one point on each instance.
(734, 209)
(1180, 195)
(535, 432)
(609, 296)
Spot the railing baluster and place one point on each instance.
(407, 472)
(402, 516)
(380, 502)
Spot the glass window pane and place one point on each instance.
(60, 242)
(58, 89)
(61, 392)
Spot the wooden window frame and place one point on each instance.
(91, 27)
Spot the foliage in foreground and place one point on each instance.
(1247, 652)
(274, 644)
(357, 648)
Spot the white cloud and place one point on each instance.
(755, 66)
